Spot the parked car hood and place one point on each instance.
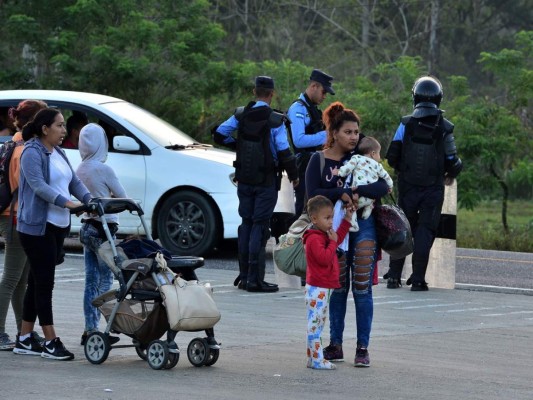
(210, 153)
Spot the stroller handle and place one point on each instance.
(83, 208)
(105, 205)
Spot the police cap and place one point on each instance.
(264, 82)
(322, 78)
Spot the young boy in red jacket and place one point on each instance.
(322, 275)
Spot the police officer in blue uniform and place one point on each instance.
(262, 153)
(424, 155)
(307, 130)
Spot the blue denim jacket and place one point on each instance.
(35, 192)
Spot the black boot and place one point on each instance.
(261, 269)
(393, 283)
(418, 278)
(241, 280)
(394, 275)
(255, 284)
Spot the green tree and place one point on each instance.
(383, 96)
(157, 54)
(495, 141)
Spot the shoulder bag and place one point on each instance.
(190, 305)
(393, 230)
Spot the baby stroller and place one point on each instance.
(136, 309)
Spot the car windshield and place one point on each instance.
(160, 131)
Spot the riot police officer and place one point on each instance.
(424, 155)
(307, 130)
(262, 152)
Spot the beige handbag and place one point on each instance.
(190, 305)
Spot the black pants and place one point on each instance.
(44, 253)
(302, 160)
(422, 206)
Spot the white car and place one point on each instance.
(186, 189)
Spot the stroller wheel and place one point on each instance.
(173, 359)
(198, 352)
(213, 357)
(141, 352)
(97, 347)
(157, 354)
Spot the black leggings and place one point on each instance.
(44, 253)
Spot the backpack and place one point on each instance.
(289, 254)
(7, 195)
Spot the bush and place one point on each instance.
(482, 228)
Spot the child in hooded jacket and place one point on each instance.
(322, 274)
(101, 181)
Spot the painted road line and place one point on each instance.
(509, 313)
(474, 286)
(496, 259)
(405, 301)
(427, 306)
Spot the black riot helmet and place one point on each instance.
(427, 92)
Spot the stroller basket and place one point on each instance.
(143, 320)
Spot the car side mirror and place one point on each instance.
(125, 143)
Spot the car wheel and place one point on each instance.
(187, 224)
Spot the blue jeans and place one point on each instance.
(98, 278)
(360, 262)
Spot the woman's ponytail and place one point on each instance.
(28, 131)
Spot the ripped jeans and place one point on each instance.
(98, 276)
(360, 262)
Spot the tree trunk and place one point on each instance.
(365, 30)
(505, 198)
(433, 40)
(248, 30)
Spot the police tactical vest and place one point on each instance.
(423, 157)
(254, 164)
(315, 124)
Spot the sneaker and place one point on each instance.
(5, 342)
(29, 346)
(362, 359)
(212, 342)
(38, 337)
(320, 364)
(55, 350)
(393, 283)
(112, 339)
(333, 352)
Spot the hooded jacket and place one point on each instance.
(100, 179)
(35, 191)
(321, 256)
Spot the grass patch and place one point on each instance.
(482, 227)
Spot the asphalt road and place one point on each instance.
(486, 270)
(442, 344)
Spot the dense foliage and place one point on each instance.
(192, 62)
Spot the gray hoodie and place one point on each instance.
(35, 191)
(99, 178)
